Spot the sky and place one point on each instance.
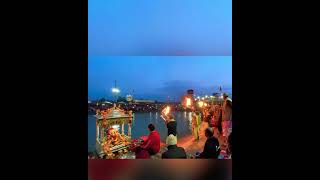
(160, 27)
(157, 77)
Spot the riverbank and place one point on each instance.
(190, 145)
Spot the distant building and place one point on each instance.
(129, 98)
(144, 101)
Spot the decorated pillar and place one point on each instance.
(97, 131)
(129, 129)
(122, 128)
(101, 134)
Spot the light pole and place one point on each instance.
(115, 91)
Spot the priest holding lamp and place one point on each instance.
(188, 100)
(168, 117)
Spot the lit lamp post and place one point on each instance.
(115, 91)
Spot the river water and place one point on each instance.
(140, 126)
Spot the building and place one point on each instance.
(143, 101)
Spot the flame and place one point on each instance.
(166, 110)
(188, 102)
(200, 103)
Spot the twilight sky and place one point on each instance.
(157, 77)
(160, 27)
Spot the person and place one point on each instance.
(219, 121)
(141, 153)
(226, 116)
(229, 150)
(152, 144)
(211, 148)
(195, 129)
(211, 119)
(171, 124)
(208, 116)
(173, 152)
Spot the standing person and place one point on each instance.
(211, 118)
(211, 148)
(152, 144)
(196, 125)
(173, 152)
(171, 124)
(199, 120)
(229, 150)
(219, 121)
(226, 116)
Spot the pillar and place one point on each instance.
(122, 128)
(97, 132)
(129, 129)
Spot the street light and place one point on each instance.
(115, 90)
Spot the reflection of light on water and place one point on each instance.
(156, 115)
(190, 120)
(150, 116)
(185, 114)
(189, 116)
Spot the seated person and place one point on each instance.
(152, 144)
(173, 152)
(211, 148)
(141, 153)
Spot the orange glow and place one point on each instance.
(166, 110)
(188, 103)
(205, 104)
(200, 103)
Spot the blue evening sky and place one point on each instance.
(157, 77)
(160, 27)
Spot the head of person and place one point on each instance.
(171, 140)
(151, 127)
(225, 96)
(209, 132)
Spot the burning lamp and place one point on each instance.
(200, 103)
(188, 102)
(166, 110)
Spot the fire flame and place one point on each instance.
(188, 102)
(200, 103)
(167, 110)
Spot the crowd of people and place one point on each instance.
(219, 118)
